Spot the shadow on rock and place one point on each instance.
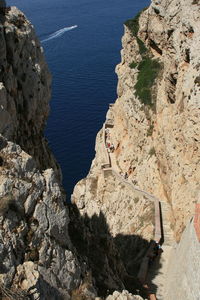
(113, 261)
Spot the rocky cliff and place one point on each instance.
(149, 144)
(38, 259)
(25, 85)
(36, 253)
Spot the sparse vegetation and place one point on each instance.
(136, 200)
(133, 25)
(133, 65)
(152, 151)
(150, 130)
(142, 47)
(195, 2)
(149, 69)
(197, 80)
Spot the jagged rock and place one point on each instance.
(34, 226)
(25, 88)
(125, 295)
(36, 251)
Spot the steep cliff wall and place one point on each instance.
(35, 249)
(153, 131)
(38, 259)
(156, 143)
(24, 87)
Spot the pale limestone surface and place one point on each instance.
(160, 147)
(34, 227)
(171, 171)
(35, 249)
(25, 87)
(125, 295)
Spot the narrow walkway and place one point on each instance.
(154, 275)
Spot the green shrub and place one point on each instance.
(152, 151)
(142, 47)
(136, 200)
(133, 65)
(150, 130)
(148, 71)
(133, 25)
(148, 68)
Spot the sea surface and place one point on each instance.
(82, 42)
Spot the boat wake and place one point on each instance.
(58, 33)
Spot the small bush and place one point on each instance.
(150, 130)
(197, 80)
(133, 25)
(195, 2)
(136, 200)
(149, 69)
(133, 65)
(142, 47)
(152, 151)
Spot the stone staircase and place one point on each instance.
(157, 274)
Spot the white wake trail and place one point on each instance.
(59, 33)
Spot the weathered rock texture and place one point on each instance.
(160, 149)
(24, 87)
(123, 296)
(36, 252)
(173, 27)
(157, 146)
(35, 248)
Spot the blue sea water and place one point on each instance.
(82, 61)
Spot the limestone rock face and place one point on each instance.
(25, 87)
(34, 241)
(158, 148)
(171, 28)
(35, 249)
(123, 296)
